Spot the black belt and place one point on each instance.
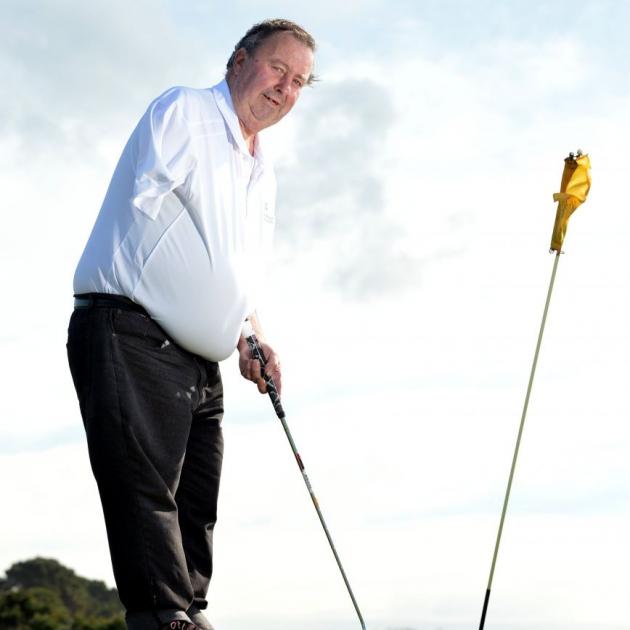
(107, 300)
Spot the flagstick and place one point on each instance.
(518, 443)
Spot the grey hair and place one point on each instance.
(258, 33)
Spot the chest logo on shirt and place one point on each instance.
(268, 213)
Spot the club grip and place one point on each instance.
(257, 353)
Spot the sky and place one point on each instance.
(404, 297)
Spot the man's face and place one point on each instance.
(266, 84)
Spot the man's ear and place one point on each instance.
(239, 59)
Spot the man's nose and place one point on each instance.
(284, 84)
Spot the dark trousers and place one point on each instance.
(152, 415)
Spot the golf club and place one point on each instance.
(256, 352)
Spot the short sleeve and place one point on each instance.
(164, 152)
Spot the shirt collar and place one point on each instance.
(223, 98)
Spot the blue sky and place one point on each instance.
(410, 270)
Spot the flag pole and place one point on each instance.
(518, 442)
(574, 188)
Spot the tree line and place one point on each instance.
(42, 594)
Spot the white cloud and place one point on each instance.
(40, 43)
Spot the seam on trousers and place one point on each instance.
(90, 389)
(138, 520)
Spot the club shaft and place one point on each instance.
(275, 400)
(518, 444)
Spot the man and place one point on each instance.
(168, 275)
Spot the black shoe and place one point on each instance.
(198, 618)
(178, 624)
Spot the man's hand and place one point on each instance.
(251, 368)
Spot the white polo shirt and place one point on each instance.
(187, 221)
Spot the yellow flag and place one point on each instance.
(576, 182)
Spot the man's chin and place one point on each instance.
(268, 121)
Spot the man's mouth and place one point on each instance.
(272, 101)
